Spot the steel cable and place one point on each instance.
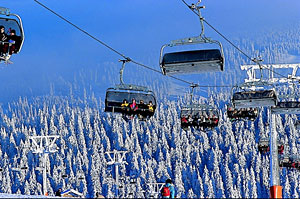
(117, 52)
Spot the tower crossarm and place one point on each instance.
(44, 144)
(155, 187)
(116, 157)
(288, 71)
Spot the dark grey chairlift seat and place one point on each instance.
(253, 99)
(289, 107)
(188, 62)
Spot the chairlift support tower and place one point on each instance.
(116, 158)
(44, 145)
(275, 187)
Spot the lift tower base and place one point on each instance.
(276, 191)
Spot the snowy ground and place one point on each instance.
(7, 195)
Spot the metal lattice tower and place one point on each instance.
(116, 158)
(44, 145)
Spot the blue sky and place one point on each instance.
(136, 28)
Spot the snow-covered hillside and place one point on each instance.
(219, 163)
(223, 162)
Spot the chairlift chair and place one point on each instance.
(80, 176)
(264, 146)
(288, 103)
(64, 175)
(235, 114)
(199, 115)
(290, 162)
(133, 181)
(116, 95)
(193, 61)
(144, 98)
(283, 161)
(11, 22)
(254, 95)
(289, 107)
(297, 124)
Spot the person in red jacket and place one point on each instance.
(133, 106)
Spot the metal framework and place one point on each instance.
(154, 189)
(116, 158)
(44, 145)
(251, 72)
(275, 187)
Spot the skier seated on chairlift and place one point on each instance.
(133, 106)
(210, 115)
(150, 106)
(235, 113)
(205, 116)
(281, 149)
(190, 119)
(125, 105)
(183, 119)
(142, 105)
(3, 38)
(215, 119)
(13, 44)
(201, 119)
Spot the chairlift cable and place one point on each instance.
(85, 32)
(93, 37)
(223, 36)
(117, 52)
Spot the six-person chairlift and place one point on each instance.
(13, 40)
(264, 146)
(289, 102)
(235, 114)
(193, 61)
(130, 100)
(201, 116)
(254, 94)
(290, 162)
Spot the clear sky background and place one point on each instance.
(137, 28)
